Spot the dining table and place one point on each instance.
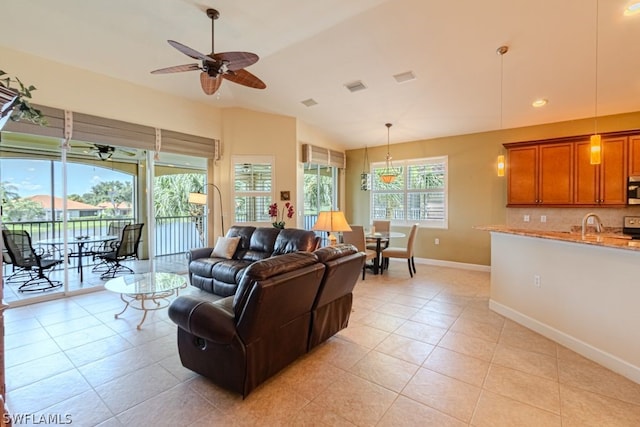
(381, 237)
(80, 242)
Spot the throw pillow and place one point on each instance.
(225, 247)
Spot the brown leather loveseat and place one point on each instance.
(284, 306)
(220, 275)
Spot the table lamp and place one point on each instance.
(331, 221)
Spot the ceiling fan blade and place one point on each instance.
(210, 84)
(245, 78)
(236, 60)
(188, 51)
(177, 69)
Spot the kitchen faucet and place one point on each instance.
(596, 220)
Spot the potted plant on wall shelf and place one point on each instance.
(15, 102)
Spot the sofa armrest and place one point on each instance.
(212, 321)
(198, 253)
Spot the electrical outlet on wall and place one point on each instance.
(543, 218)
(526, 218)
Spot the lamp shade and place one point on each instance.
(331, 221)
(198, 198)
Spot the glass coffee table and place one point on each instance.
(146, 291)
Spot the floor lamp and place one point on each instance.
(201, 199)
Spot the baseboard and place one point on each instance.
(450, 264)
(590, 352)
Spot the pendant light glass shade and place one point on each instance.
(595, 150)
(502, 50)
(500, 165)
(389, 173)
(595, 145)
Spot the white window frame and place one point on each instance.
(270, 193)
(379, 188)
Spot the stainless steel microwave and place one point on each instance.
(633, 190)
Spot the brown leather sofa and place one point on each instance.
(284, 306)
(221, 276)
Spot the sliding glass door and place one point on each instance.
(320, 191)
(67, 202)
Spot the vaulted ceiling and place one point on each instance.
(312, 49)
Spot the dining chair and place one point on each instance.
(125, 248)
(381, 226)
(31, 265)
(399, 252)
(357, 239)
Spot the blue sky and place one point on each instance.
(32, 177)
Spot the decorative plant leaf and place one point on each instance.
(21, 109)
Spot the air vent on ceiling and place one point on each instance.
(355, 86)
(309, 102)
(405, 77)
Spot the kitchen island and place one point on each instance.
(582, 292)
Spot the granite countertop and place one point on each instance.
(605, 239)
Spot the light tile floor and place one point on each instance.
(421, 351)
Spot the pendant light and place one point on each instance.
(595, 142)
(364, 176)
(502, 50)
(389, 173)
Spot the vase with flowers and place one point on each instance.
(277, 216)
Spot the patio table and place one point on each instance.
(81, 243)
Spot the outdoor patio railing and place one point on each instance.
(173, 235)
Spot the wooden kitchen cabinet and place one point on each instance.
(540, 174)
(634, 155)
(606, 183)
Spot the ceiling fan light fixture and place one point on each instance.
(105, 155)
(216, 66)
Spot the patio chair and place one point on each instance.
(31, 264)
(125, 248)
(356, 238)
(114, 229)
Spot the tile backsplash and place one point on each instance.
(563, 219)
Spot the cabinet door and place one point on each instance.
(634, 155)
(586, 176)
(521, 175)
(555, 174)
(613, 171)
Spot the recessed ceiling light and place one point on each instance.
(632, 9)
(355, 86)
(539, 103)
(309, 102)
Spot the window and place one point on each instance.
(253, 178)
(417, 195)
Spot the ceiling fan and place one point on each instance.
(217, 66)
(104, 152)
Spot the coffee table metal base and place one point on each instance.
(146, 291)
(137, 302)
